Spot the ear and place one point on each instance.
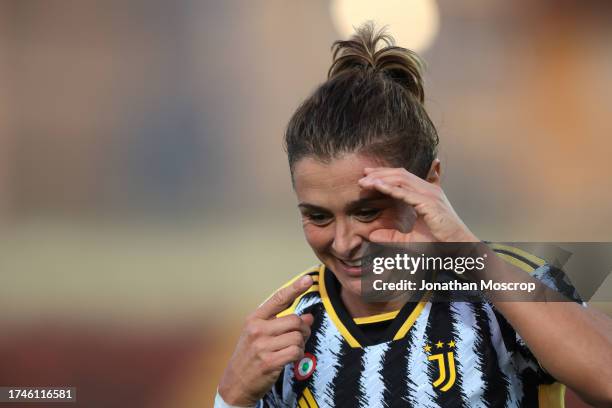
(435, 171)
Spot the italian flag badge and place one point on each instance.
(305, 367)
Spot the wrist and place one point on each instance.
(234, 398)
(222, 402)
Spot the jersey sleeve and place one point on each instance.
(555, 279)
(550, 275)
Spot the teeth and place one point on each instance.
(353, 263)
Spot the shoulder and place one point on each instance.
(547, 273)
(518, 257)
(312, 292)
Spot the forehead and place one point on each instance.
(334, 180)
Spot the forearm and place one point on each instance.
(568, 343)
(571, 342)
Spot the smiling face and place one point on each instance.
(338, 215)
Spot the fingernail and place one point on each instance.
(305, 280)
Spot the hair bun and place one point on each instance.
(400, 64)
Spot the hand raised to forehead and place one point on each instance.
(440, 221)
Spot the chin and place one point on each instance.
(355, 287)
(350, 284)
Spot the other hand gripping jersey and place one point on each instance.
(428, 354)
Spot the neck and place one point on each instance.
(358, 308)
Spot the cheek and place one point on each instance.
(318, 238)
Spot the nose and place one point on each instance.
(346, 240)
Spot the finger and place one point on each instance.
(413, 198)
(388, 235)
(391, 171)
(286, 324)
(393, 179)
(410, 178)
(397, 177)
(285, 340)
(307, 318)
(287, 355)
(410, 197)
(396, 181)
(283, 298)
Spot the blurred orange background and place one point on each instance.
(145, 199)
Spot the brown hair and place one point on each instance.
(371, 103)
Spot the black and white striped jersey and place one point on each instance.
(428, 354)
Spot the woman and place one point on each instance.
(362, 154)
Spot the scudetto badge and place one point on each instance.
(305, 367)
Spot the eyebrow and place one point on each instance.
(350, 206)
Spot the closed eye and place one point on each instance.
(319, 219)
(367, 214)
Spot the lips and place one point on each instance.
(351, 267)
(354, 263)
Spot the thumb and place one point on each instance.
(307, 318)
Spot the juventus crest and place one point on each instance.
(444, 358)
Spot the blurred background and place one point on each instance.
(145, 200)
